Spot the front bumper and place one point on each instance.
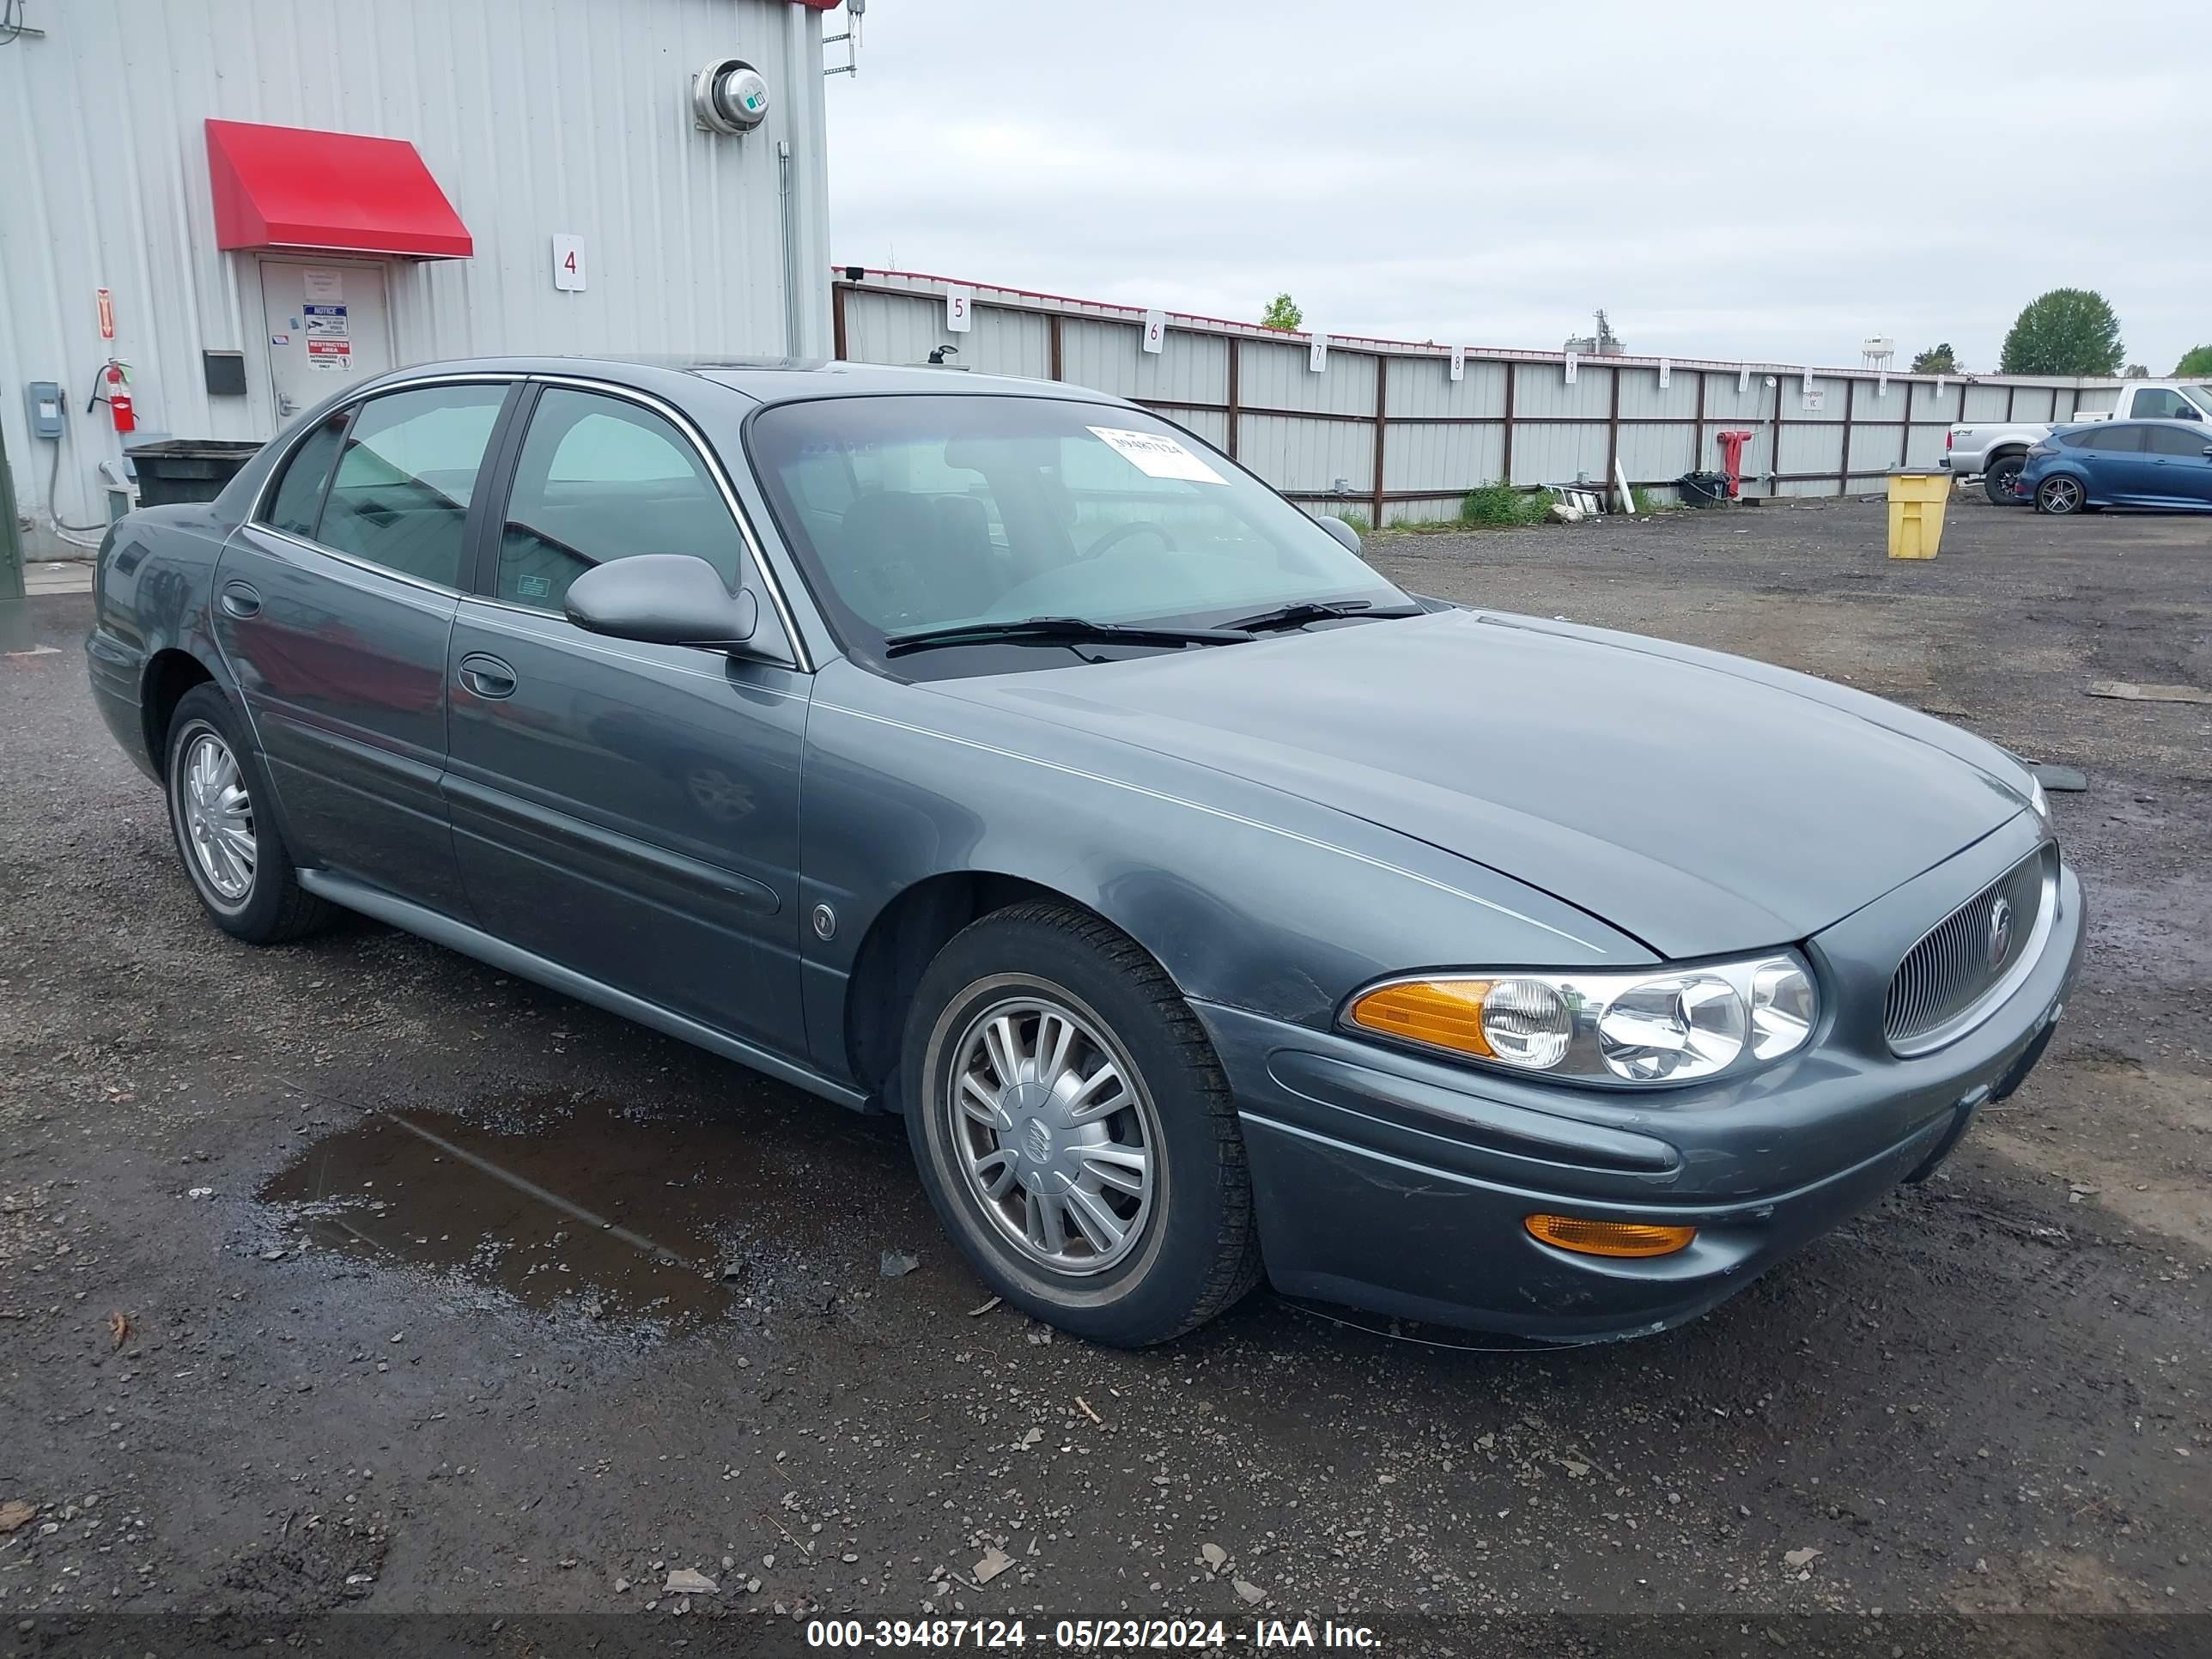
(1395, 1183)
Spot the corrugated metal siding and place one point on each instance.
(1641, 394)
(1424, 457)
(1657, 452)
(1295, 455)
(888, 328)
(551, 116)
(1555, 454)
(1423, 387)
(1541, 390)
(1987, 403)
(1876, 448)
(1190, 368)
(1558, 431)
(1276, 377)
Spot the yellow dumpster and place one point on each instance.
(1917, 496)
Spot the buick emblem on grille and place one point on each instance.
(2000, 932)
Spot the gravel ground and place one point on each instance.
(275, 1341)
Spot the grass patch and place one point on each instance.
(1358, 521)
(1498, 506)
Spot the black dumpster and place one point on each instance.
(1702, 488)
(186, 469)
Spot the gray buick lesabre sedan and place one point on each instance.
(998, 754)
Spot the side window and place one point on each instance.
(2159, 403)
(2174, 440)
(601, 479)
(401, 495)
(2122, 438)
(298, 497)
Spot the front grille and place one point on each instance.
(1955, 966)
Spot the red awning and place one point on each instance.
(338, 192)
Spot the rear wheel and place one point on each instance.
(1074, 1129)
(2059, 496)
(2002, 474)
(230, 844)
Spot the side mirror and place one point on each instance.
(662, 598)
(1344, 532)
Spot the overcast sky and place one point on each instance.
(1772, 180)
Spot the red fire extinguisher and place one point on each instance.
(117, 378)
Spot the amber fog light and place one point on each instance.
(1608, 1237)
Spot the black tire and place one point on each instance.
(1997, 481)
(273, 907)
(2060, 495)
(1192, 1251)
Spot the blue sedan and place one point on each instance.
(2160, 464)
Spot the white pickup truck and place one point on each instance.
(1997, 450)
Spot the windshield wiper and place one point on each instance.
(1057, 630)
(1313, 611)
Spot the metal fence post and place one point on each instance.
(11, 537)
(1236, 412)
(1844, 465)
(1505, 459)
(1381, 426)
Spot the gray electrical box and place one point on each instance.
(43, 401)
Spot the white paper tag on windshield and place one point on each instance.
(1157, 455)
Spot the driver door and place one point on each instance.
(627, 810)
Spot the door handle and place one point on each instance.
(240, 600)
(488, 677)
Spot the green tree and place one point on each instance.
(1936, 360)
(2068, 330)
(2196, 362)
(2135, 371)
(1283, 312)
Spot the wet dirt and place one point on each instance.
(1988, 1393)
(566, 1206)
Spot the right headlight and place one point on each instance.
(1653, 1026)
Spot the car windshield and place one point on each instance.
(2200, 396)
(910, 514)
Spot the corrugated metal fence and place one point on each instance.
(1383, 428)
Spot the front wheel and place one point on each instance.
(1997, 483)
(2058, 496)
(1074, 1129)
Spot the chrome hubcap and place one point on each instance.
(1056, 1139)
(2061, 494)
(218, 817)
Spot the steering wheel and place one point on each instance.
(1118, 533)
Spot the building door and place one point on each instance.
(327, 328)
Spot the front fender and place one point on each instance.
(1249, 897)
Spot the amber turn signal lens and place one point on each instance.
(1608, 1237)
(1449, 1015)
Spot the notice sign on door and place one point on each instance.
(326, 322)
(330, 355)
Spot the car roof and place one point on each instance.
(2134, 420)
(770, 380)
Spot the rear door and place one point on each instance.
(334, 607)
(2180, 468)
(627, 810)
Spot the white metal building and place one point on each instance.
(192, 186)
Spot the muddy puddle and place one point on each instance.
(606, 1211)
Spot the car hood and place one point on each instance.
(1702, 803)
